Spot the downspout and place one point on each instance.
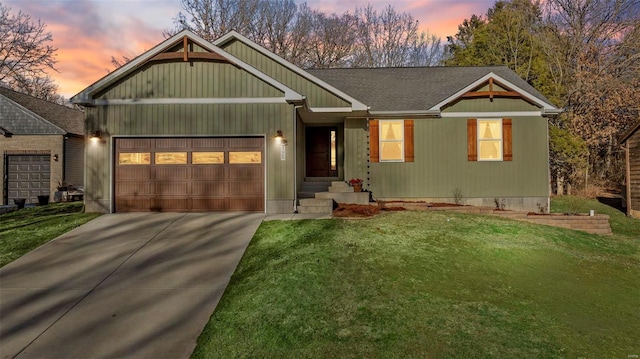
(549, 189)
(295, 157)
(5, 189)
(627, 165)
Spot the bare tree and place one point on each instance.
(594, 53)
(310, 38)
(26, 54)
(390, 39)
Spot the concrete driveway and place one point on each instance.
(124, 285)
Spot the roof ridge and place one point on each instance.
(37, 98)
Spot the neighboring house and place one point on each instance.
(42, 146)
(197, 126)
(631, 191)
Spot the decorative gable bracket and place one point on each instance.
(187, 54)
(493, 93)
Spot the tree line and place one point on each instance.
(310, 38)
(583, 55)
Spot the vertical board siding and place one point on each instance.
(316, 95)
(190, 120)
(356, 156)
(441, 164)
(74, 161)
(183, 80)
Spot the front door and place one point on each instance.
(321, 152)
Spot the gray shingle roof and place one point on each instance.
(26, 115)
(412, 88)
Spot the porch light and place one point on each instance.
(280, 137)
(96, 135)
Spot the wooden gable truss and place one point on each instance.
(185, 52)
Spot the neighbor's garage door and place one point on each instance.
(28, 176)
(189, 174)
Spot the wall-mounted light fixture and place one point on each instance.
(279, 135)
(55, 157)
(96, 135)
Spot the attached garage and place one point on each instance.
(176, 174)
(28, 177)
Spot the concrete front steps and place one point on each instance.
(313, 185)
(326, 202)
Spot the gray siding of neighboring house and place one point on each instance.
(316, 95)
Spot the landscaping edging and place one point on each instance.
(597, 224)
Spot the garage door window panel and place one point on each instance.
(245, 157)
(207, 158)
(171, 158)
(134, 158)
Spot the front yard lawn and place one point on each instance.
(24, 230)
(430, 285)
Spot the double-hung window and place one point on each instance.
(391, 140)
(489, 139)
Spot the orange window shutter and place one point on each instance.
(472, 140)
(408, 141)
(507, 142)
(374, 142)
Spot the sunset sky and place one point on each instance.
(88, 32)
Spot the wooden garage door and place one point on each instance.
(28, 176)
(189, 174)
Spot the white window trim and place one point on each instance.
(478, 140)
(380, 140)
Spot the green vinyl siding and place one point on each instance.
(356, 151)
(441, 164)
(190, 120)
(316, 95)
(200, 79)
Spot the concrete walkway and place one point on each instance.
(122, 286)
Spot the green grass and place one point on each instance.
(24, 230)
(430, 285)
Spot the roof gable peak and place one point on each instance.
(161, 52)
(498, 87)
(234, 35)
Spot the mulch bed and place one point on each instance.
(361, 210)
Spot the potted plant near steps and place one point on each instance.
(356, 183)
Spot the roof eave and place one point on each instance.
(407, 113)
(629, 133)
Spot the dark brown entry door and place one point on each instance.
(321, 152)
